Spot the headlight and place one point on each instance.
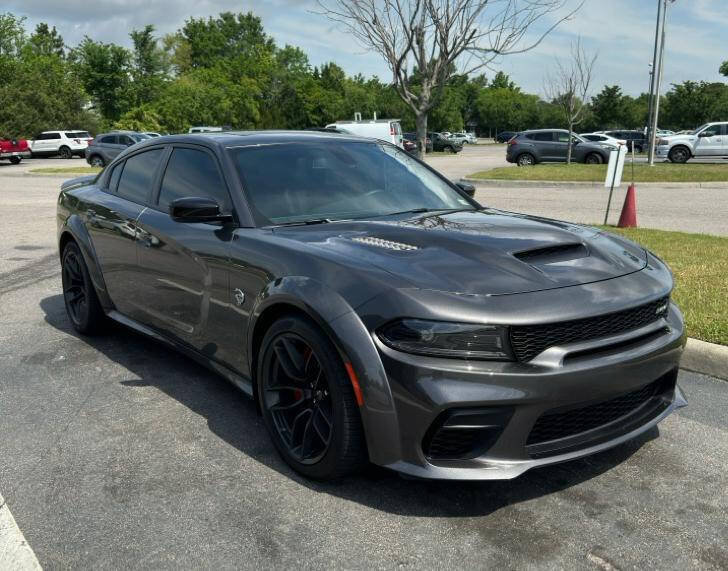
(445, 339)
(663, 142)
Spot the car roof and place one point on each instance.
(545, 131)
(247, 138)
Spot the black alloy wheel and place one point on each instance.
(525, 160)
(15, 160)
(65, 153)
(307, 401)
(96, 161)
(593, 159)
(82, 303)
(679, 155)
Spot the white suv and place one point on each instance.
(710, 140)
(65, 144)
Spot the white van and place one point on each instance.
(205, 129)
(385, 129)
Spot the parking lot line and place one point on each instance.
(15, 553)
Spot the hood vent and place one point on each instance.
(553, 254)
(382, 243)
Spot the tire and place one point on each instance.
(525, 160)
(679, 154)
(593, 159)
(65, 153)
(449, 149)
(96, 161)
(79, 295)
(15, 160)
(317, 431)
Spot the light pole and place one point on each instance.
(653, 77)
(657, 80)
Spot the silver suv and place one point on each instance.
(105, 147)
(709, 140)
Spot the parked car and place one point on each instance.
(64, 144)
(463, 138)
(105, 147)
(636, 140)
(443, 144)
(413, 137)
(709, 140)
(551, 145)
(374, 311)
(505, 136)
(602, 138)
(14, 150)
(409, 146)
(388, 130)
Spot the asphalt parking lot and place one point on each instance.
(118, 453)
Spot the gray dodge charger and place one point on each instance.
(373, 309)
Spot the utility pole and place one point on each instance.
(653, 78)
(657, 73)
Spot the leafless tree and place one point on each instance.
(569, 87)
(425, 42)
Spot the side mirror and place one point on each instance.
(703, 134)
(196, 209)
(467, 188)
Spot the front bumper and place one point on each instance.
(568, 377)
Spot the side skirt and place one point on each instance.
(242, 383)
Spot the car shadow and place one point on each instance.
(232, 416)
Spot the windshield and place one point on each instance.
(139, 137)
(699, 129)
(296, 182)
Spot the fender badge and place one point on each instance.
(239, 296)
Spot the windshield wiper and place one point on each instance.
(306, 222)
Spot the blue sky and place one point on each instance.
(621, 31)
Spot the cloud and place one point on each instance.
(622, 31)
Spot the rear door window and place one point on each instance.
(562, 137)
(192, 172)
(136, 179)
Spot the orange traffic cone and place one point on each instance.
(628, 218)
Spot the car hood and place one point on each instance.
(486, 252)
(679, 138)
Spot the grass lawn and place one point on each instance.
(66, 170)
(661, 172)
(700, 265)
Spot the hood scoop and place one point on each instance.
(553, 254)
(382, 243)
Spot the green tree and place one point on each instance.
(46, 41)
(150, 66)
(104, 71)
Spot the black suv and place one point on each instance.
(440, 143)
(636, 139)
(551, 145)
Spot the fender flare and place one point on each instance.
(76, 229)
(353, 341)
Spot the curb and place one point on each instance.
(588, 184)
(706, 358)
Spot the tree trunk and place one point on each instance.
(421, 125)
(568, 149)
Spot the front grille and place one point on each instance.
(529, 340)
(556, 425)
